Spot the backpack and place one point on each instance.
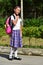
(8, 22)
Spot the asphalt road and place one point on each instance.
(26, 60)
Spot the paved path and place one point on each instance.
(26, 60)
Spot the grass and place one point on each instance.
(26, 46)
(7, 45)
(34, 43)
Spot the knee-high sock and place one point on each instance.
(15, 52)
(11, 53)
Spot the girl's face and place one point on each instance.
(17, 10)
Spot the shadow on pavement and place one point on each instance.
(4, 55)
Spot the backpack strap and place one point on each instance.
(13, 16)
(12, 23)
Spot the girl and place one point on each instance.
(16, 36)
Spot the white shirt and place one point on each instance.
(17, 26)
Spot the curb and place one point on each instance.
(23, 51)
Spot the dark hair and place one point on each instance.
(17, 7)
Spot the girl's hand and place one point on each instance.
(7, 25)
(21, 35)
(17, 17)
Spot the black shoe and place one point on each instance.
(17, 58)
(10, 58)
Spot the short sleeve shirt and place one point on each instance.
(19, 22)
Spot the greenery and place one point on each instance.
(26, 46)
(33, 22)
(7, 45)
(32, 8)
(33, 18)
(33, 27)
(2, 29)
(6, 7)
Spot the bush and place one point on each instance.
(41, 29)
(31, 31)
(2, 32)
(2, 21)
(33, 22)
(33, 27)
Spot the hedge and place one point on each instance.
(33, 31)
(33, 22)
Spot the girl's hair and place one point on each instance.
(17, 7)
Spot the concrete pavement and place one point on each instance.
(26, 60)
(24, 51)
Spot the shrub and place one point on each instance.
(41, 29)
(2, 32)
(2, 21)
(33, 22)
(31, 31)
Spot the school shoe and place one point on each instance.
(10, 58)
(17, 58)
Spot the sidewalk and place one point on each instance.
(23, 51)
(26, 60)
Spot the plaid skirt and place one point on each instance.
(16, 39)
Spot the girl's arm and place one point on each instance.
(21, 30)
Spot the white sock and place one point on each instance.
(11, 53)
(16, 51)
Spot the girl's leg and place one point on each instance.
(16, 56)
(15, 52)
(11, 53)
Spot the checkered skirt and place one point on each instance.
(16, 39)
